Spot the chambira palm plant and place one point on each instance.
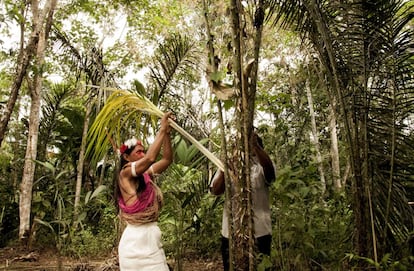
(366, 49)
(121, 109)
(126, 112)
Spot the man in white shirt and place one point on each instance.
(262, 175)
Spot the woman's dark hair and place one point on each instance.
(138, 180)
(260, 142)
(123, 160)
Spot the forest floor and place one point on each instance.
(18, 258)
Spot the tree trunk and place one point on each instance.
(355, 140)
(336, 173)
(315, 137)
(102, 92)
(243, 228)
(224, 150)
(80, 164)
(42, 21)
(23, 60)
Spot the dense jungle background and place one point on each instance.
(328, 85)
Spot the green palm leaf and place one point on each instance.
(120, 109)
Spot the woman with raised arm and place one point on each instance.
(140, 201)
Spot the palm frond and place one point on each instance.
(176, 54)
(53, 100)
(366, 46)
(52, 115)
(121, 108)
(90, 62)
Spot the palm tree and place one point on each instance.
(51, 116)
(364, 47)
(134, 109)
(88, 66)
(247, 21)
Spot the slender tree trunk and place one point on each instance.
(250, 77)
(25, 56)
(315, 137)
(353, 127)
(102, 92)
(44, 19)
(81, 160)
(223, 154)
(347, 172)
(336, 173)
(243, 239)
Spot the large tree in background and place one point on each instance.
(365, 49)
(42, 19)
(27, 51)
(241, 60)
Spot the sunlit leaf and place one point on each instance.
(120, 108)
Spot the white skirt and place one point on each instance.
(140, 248)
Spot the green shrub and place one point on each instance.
(85, 243)
(309, 231)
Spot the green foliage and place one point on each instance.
(95, 230)
(154, 18)
(49, 208)
(9, 221)
(190, 214)
(98, 234)
(308, 232)
(385, 264)
(265, 262)
(62, 120)
(51, 195)
(173, 59)
(373, 86)
(10, 165)
(5, 158)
